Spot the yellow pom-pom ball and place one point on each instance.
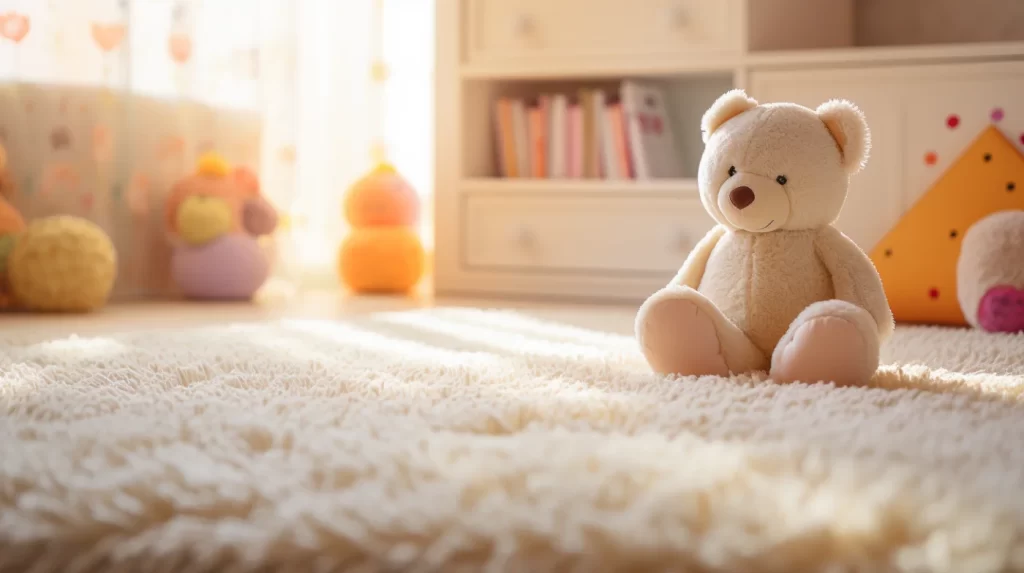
(212, 164)
(381, 259)
(203, 219)
(62, 264)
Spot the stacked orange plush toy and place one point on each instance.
(382, 253)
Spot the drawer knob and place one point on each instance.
(678, 17)
(524, 25)
(525, 239)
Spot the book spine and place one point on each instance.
(608, 158)
(538, 134)
(587, 120)
(521, 133)
(575, 142)
(506, 139)
(558, 134)
(620, 141)
(631, 109)
(597, 110)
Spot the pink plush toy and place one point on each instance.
(774, 286)
(990, 273)
(215, 218)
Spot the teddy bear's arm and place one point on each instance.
(693, 267)
(854, 277)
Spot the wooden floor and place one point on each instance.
(330, 305)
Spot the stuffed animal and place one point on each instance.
(53, 264)
(11, 226)
(382, 253)
(62, 263)
(215, 218)
(990, 273)
(774, 286)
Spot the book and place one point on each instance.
(617, 152)
(521, 136)
(575, 141)
(506, 144)
(538, 132)
(587, 132)
(653, 149)
(558, 137)
(594, 145)
(588, 135)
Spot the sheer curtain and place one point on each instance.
(332, 86)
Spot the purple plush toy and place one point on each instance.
(215, 218)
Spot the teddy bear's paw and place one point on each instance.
(677, 337)
(1002, 309)
(825, 349)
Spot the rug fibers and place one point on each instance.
(470, 440)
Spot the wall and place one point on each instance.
(907, 22)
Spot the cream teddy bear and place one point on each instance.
(774, 286)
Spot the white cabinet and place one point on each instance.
(579, 29)
(594, 238)
(921, 118)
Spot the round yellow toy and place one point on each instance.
(61, 264)
(382, 253)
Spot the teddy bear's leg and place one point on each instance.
(681, 332)
(830, 341)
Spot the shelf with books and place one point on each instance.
(668, 187)
(615, 129)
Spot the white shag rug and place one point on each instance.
(471, 440)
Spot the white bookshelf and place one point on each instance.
(622, 239)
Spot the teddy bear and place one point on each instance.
(774, 286)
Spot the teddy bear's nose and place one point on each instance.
(741, 197)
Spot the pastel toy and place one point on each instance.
(61, 264)
(774, 286)
(990, 273)
(382, 198)
(11, 226)
(382, 253)
(917, 258)
(53, 264)
(381, 259)
(215, 218)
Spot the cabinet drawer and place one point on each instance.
(573, 29)
(612, 235)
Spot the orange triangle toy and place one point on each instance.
(917, 258)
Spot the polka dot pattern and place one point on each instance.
(997, 114)
(953, 121)
(930, 158)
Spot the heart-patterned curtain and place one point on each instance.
(104, 104)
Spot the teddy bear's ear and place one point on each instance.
(727, 106)
(849, 128)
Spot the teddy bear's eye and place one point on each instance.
(732, 171)
(781, 180)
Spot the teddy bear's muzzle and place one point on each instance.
(753, 203)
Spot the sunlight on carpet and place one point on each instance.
(460, 439)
